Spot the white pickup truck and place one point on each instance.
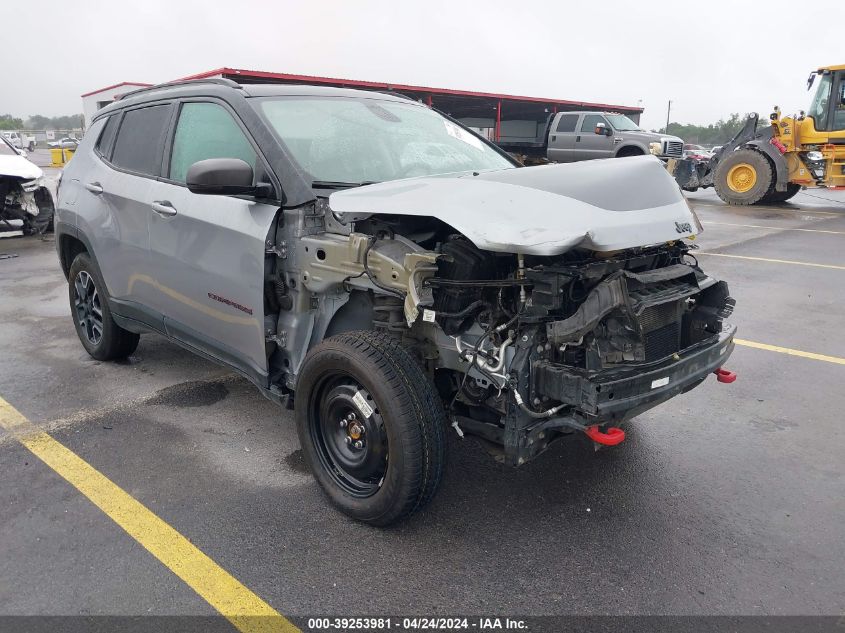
(20, 140)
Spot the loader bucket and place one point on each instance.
(691, 174)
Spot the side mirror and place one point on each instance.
(601, 128)
(220, 177)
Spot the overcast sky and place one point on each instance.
(710, 57)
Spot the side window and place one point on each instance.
(590, 120)
(206, 130)
(139, 140)
(567, 123)
(818, 108)
(103, 145)
(839, 106)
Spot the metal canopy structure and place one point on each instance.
(459, 104)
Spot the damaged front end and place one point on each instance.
(540, 302)
(27, 201)
(590, 342)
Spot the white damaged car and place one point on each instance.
(24, 195)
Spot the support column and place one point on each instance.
(498, 133)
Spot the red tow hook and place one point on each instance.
(723, 375)
(612, 437)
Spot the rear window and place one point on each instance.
(140, 138)
(567, 123)
(106, 136)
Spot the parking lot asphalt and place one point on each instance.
(725, 500)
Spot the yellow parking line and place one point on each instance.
(776, 228)
(768, 259)
(791, 352)
(245, 610)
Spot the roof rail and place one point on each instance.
(220, 81)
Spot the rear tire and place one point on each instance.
(744, 177)
(101, 337)
(377, 468)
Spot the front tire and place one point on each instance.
(101, 337)
(625, 152)
(744, 177)
(371, 426)
(775, 197)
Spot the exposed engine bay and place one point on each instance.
(523, 348)
(27, 201)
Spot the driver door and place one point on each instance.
(207, 251)
(590, 145)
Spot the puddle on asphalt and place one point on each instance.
(296, 461)
(190, 394)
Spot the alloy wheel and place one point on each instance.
(89, 310)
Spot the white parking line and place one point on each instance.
(770, 260)
(776, 228)
(793, 211)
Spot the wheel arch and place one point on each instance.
(69, 247)
(630, 149)
(777, 160)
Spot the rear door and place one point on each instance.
(207, 251)
(590, 145)
(122, 184)
(562, 138)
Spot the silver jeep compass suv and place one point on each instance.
(389, 273)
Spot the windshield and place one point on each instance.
(818, 108)
(621, 123)
(6, 149)
(359, 140)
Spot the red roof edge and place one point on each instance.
(260, 74)
(122, 83)
(208, 73)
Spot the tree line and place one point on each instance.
(717, 133)
(39, 122)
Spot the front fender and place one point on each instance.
(781, 168)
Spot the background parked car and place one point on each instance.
(576, 136)
(24, 195)
(67, 142)
(697, 152)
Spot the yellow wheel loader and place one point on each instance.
(771, 163)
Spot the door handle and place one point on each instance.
(577, 139)
(554, 138)
(163, 208)
(94, 187)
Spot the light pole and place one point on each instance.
(668, 112)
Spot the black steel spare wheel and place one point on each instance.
(371, 426)
(352, 448)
